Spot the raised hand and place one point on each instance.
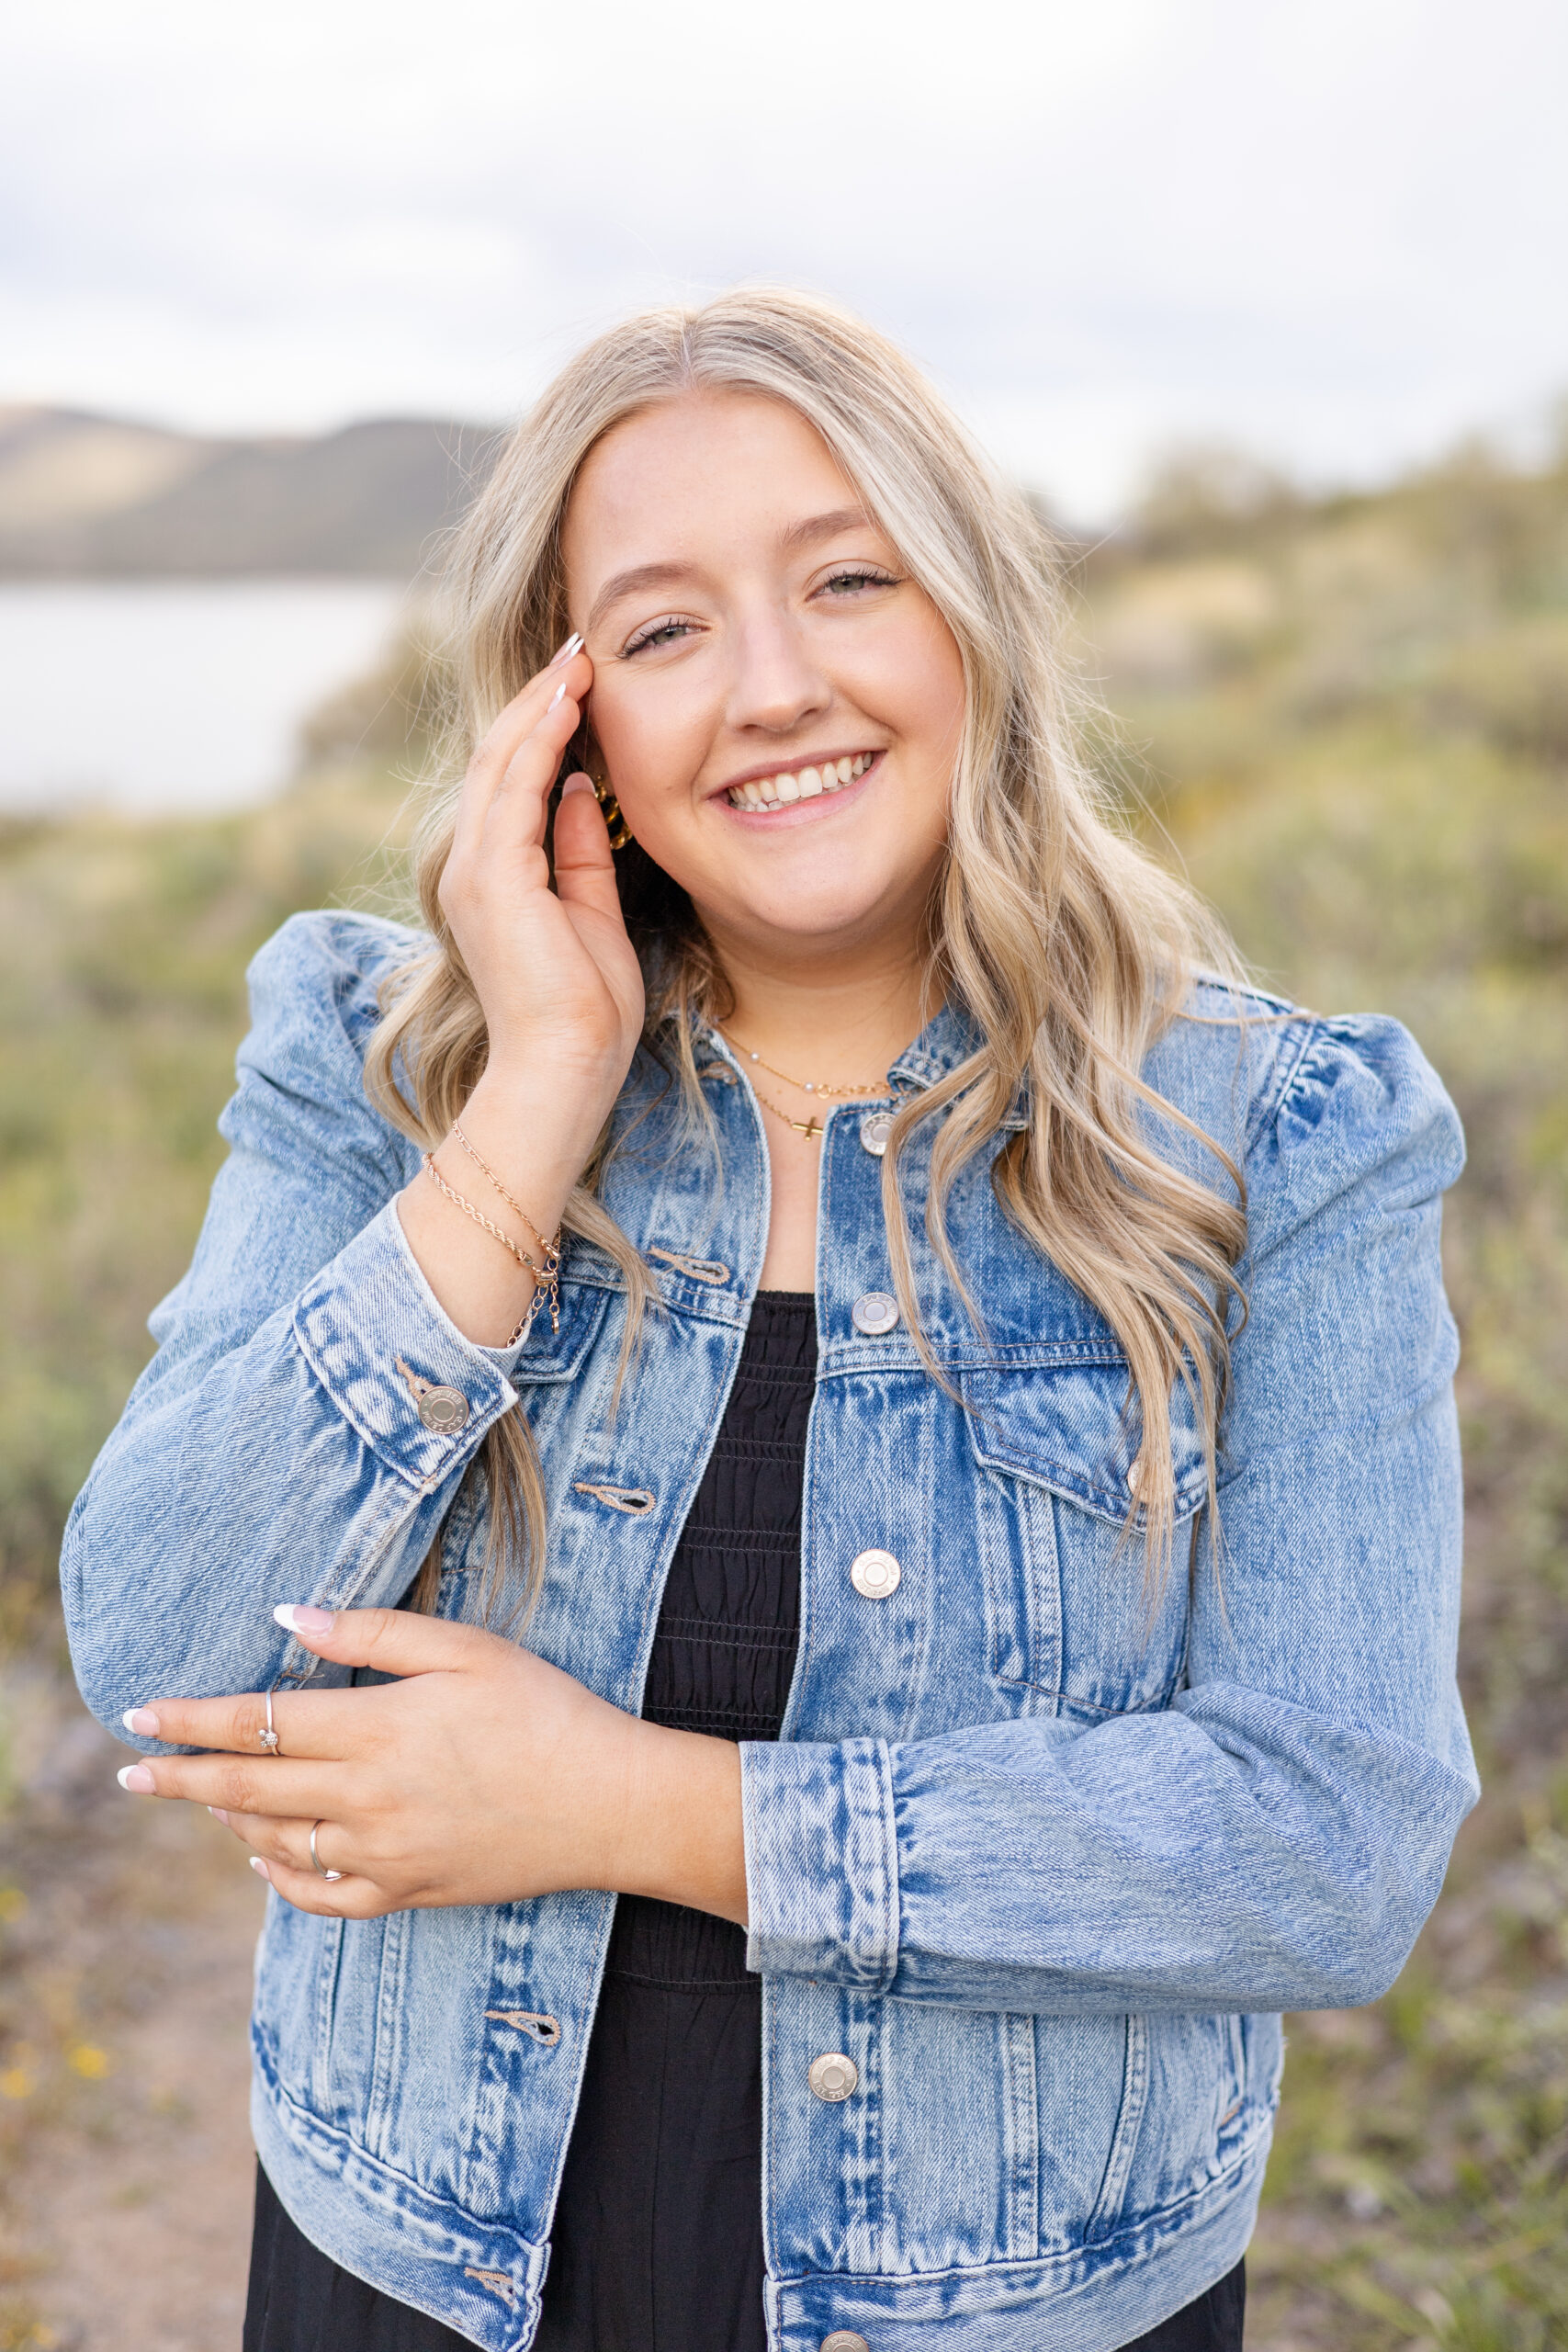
(559, 985)
(555, 972)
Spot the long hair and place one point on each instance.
(1068, 946)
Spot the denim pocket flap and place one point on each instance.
(1074, 1426)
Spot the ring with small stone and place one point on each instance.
(268, 1732)
(331, 1876)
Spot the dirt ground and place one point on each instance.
(125, 1983)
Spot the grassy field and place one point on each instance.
(1349, 721)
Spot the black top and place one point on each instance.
(657, 2245)
(658, 2236)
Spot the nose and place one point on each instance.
(776, 684)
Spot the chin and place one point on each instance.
(822, 914)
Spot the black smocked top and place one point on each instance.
(658, 2236)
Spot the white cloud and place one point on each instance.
(1336, 233)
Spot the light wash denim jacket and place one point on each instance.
(1044, 1869)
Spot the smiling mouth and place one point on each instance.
(791, 785)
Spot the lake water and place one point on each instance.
(151, 697)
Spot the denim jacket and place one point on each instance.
(1039, 1860)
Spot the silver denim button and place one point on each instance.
(843, 2339)
(832, 2076)
(443, 1410)
(874, 1130)
(876, 1313)
(875, 1574)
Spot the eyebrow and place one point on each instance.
(807, 532)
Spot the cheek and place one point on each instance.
(651, 737)
(913, 679)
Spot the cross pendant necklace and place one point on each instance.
(811, 1128)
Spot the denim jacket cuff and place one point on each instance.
(378, 1341)
(821, 1861)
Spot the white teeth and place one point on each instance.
(809, 784)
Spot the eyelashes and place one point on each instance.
(837, 586)
(862, 576)
(671, 625)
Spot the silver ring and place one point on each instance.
(333, 1876)
(268, 1732)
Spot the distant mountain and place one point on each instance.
(92, 497)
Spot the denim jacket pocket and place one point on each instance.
(1074, 1613)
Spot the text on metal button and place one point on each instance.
(874, 1313)
(843, 2339)
(443, 1410)
(832, 2076)
(875, 1574)
(874, 1130)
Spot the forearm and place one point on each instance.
(198, 1516)
(1232, 1852)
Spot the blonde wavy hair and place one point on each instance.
(1069, 947)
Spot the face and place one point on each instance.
(777, 705)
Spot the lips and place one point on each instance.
(790, 785)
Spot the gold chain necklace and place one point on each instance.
(811, 1128)
(809, 1085)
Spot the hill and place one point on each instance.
(91, 497)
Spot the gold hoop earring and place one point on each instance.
(620, 832)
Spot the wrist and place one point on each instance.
(552, 1111)
(537, 1137)
(680, 1836)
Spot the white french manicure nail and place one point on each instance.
(573, 645)
(304, 1617)
(259, 1867)
(558, 696)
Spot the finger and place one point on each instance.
(276, 1841)
(522, 796)
(300, 1792)
(585, 864)
(501, 819)
(347, 1898)
(553, 695)
(394, 1641)
(288, 1843)
(319, 1724)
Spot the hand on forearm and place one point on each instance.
(483, 1775)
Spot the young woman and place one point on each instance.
(804, 1497)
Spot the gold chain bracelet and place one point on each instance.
(551, 1249)
(546, 1277)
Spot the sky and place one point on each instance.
(1335, 235)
